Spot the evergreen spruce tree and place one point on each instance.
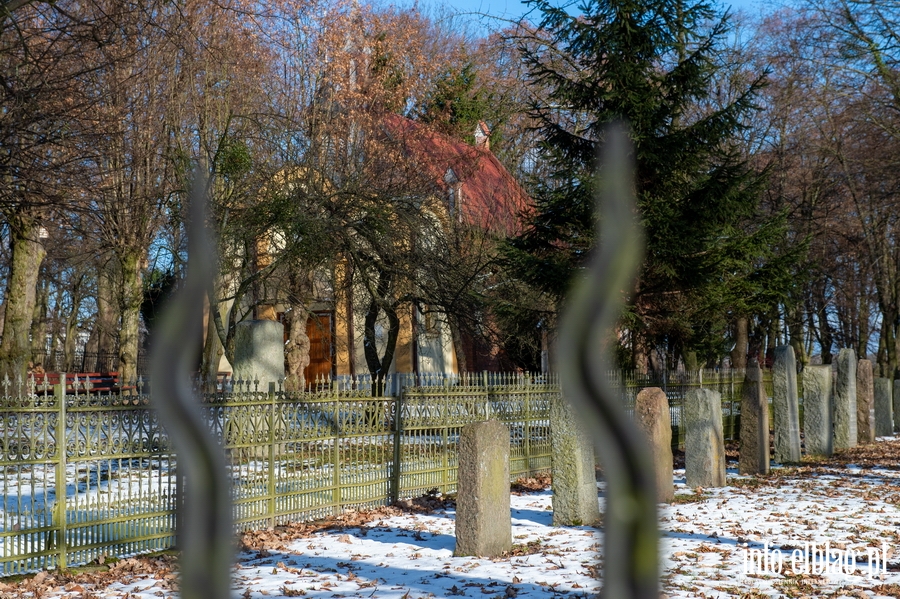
(652, 64)
(457, 104)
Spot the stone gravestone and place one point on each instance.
(483, 521)
(704, 440)
(844, 416)
(258, 356)
(575, 501)
(896, 404)
(651, 410)
(884, 412)
(817, 410)
(786, 406)
(865, 403)
(259, 353)
(754, 456)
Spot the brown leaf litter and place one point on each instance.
(281, 536)
(161, 568)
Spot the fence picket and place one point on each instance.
(59, 394)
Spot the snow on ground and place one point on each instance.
(848, 504)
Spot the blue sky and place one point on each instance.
(513, 9)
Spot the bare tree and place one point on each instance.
(43, 52)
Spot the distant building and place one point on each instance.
(474, 189)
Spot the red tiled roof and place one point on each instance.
(492, 199)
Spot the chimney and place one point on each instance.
(482, 136)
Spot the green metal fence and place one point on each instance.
(106, 455)
(728, 382)
(293, 456)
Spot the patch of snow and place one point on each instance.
(706, 547)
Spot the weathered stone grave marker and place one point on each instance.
(786, 406)
(575, 501)
(258, 357)
(754, 456)
(896, 404)
(817, 410)
(259, 353)
(844, 417)
(865, 403)
(884, 412)
(704, 439)
(651, 410)
(483, 521)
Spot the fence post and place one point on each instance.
(336, 453)
(398, 448)
(445, 462)
(271, 492)
(527, 435)
(60, 394)
(485, 379)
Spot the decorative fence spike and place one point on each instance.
(631, 536)
(205, 536)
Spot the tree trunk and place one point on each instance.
(640, 351)
(826, 331)
(895, 374)
(741, 342)
(756, 345)
(862, 347)
(297, 354)
(212, 349)
(379, 366)
(39, 325)
(107, 316)
(773, 335)
(300, 289)
(129, 333)
(458, 347)
(70, 343)
(25, 262)
(887, 354)
(795, 335)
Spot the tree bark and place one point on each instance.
(795, 335)
(297, 354)
(70, 343)
(39, 324)
(862, 347)
(756, 345)
(379, 366)
(887, 351)
(741, 342)
(21, 288)
(300, 289)
(129, 333)
(212, 348)
(458, 345)
(826, 332)
(640, 351)
(107, 311)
